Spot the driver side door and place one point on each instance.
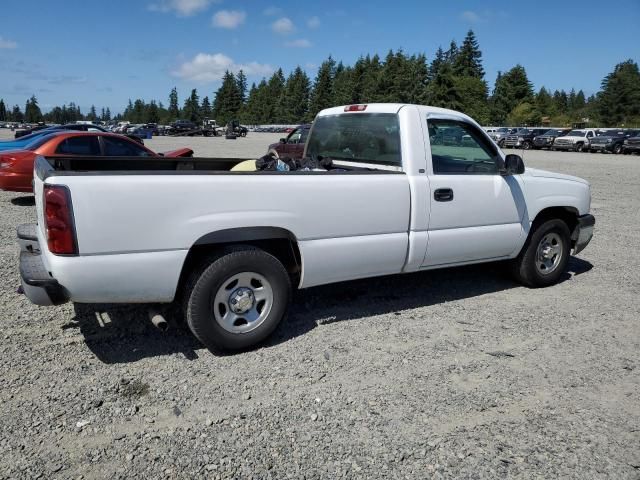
(475, 212)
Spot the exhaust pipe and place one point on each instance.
(158, 320)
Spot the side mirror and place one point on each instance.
(513, 165)
(283, 140)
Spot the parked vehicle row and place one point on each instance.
(566, 139)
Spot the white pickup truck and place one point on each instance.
(576, 140)
(230, 246)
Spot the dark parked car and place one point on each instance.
(546, 140)
(612, 141)
(293, 145)
(181, 126)
(631, 144)
(523, 138)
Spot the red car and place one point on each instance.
(16, 166)
(293, 145)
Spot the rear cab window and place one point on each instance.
(358, 139)
(120, 147)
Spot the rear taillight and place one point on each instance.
(355, 108)
(58, 220)
(6, 161)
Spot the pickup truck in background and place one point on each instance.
(523, 138)
(611, 141)
(575, 140)
(546, 140)
(293, 145)
(230, 246)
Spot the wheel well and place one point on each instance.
(278, 242)
(568, 215)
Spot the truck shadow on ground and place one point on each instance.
(123, 333)
(28, 201)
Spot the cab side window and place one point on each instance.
(458, 148)
(84, 145)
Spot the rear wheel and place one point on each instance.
(544, 256)
(617, 149)
(236, 299)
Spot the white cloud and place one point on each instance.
(228, 19)
(184, 8)
(272, 11)
(313, 22)
(283, 26)
(299, 43)
(4, 43)
(471, 17)
(206, 68)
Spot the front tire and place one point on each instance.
(580, 147)
(544, 256)
(526, 146)
(236, 299)
(617, 149)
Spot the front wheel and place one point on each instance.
(580, 147)
(617, 149)
(544, 256)
(526, 146)
(236, 299)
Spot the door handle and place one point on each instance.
(443, 195)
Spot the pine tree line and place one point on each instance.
(455, 79)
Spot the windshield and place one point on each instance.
(552, 132)
(523, 131)
(358, 137)
(503, 130)
(576, 133)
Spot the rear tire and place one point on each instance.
(617, 149)
(544, 256)
(236, 299)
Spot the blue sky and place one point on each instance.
(105, 52)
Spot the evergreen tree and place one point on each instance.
(102, 114)
(343, 85)
(191, 109)
(561, 102)
(152, 113)
(16, 114)
(511, 89)
(241, 80)
(205, 108)
(443, 91)
(107, 115)
(32, 113)
(322, 94)
(544, 103)
(93, 116)
(274, 106)
(468, 61)
(451, 55)
(437, 62)
(227, 103)
(174, 110)
(3, 111)
(295, 99)
(619, 99)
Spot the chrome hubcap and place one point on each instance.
(549, 253)
(242, 302)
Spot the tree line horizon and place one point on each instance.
(454, 79)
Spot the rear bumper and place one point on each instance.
(16, 182)
(37, 284)
(583, 232)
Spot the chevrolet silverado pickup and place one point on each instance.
(231, 246)
(575, 140)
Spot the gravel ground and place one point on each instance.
(459, 373)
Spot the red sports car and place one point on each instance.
(16, 166)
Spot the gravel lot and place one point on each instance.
(459, 373)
